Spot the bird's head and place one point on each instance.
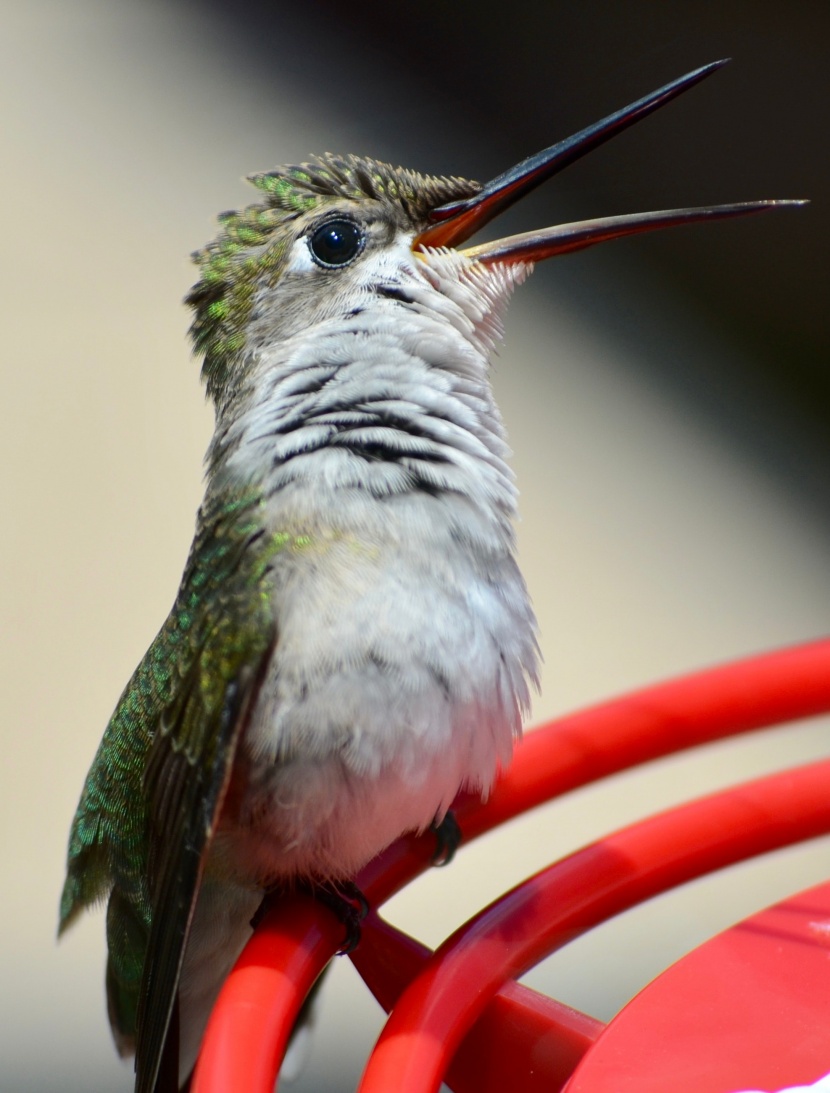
(331, 235)
(325, 235)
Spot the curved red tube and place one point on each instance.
(569, 897)
(250, 1023)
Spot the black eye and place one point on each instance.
(335, 243)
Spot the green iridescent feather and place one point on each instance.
(152, 795)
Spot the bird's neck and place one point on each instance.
(384, 404)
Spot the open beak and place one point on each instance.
(457, 221)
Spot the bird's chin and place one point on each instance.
(481, 290)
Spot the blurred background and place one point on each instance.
(667, 399)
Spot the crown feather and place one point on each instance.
(298, 189)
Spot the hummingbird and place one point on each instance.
(352, 642)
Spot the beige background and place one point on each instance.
(651, 542)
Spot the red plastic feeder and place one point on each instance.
(749, 1010)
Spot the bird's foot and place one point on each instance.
(269, 900)
(345, 900)
(447, 839)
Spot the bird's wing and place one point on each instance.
(187, 773)
(154, 792)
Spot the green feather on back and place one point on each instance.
(153, 793)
